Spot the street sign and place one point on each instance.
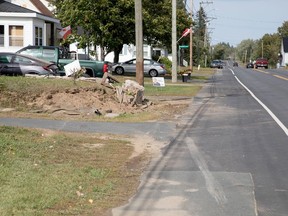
(184, 46)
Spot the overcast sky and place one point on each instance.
(235, 20)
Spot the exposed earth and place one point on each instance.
(91, 102)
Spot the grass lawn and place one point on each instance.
(56, 173)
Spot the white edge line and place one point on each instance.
(282, 126)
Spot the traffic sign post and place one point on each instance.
(179, 51)
(183, 46)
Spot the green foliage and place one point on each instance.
(246, 50)
(111, 24)
(268, 46)
(283, 30)
(168, 64)
(222, 51)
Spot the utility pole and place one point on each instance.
(262, 47)
(174, 42)
(139, 42)
(205, 32)
(191, 39)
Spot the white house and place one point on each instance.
(284, 52)
(129, 51)
(20, 26)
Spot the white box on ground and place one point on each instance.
(72, 67)
(158, 81)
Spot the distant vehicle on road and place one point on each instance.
(12, 64)
(216, 64)
(261, 62)
(250, 65)
(235, 64)
(151, 67)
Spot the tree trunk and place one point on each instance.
(117, 52)
(102, 53)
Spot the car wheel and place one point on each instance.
(153, 73)
(119, 70)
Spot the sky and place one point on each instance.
(232, 21)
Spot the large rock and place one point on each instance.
(130, 93)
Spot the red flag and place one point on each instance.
(65, 32)
(186, 32)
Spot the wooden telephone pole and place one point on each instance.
(191, 39)
(139, 42)
(174, 42)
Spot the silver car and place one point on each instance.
(151, 67)
(13, 64)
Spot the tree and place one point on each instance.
(222, 51)
(111, 23)
(246, 50)
(269, 47)
(200, 33)
(283, 30)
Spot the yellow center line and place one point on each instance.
(261, 71)
(281, 77)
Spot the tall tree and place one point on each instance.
(246, 50)
(200, 32)
(222, 51)
(111, 23)
(269, 47)
(283, 30)
(108, 23)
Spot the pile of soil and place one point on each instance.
(91, 101)
(81, 101)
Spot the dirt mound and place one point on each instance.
(83, 101)
(87, 102)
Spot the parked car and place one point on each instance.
(61, 57)
(250, 65)
(261, 62)
(216, 64)
(151, 67)
(13, 64)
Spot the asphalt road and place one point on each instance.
(226, 156)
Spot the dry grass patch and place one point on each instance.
(56, 173)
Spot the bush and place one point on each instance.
(168, 64)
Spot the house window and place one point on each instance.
(1, 35)
(38, 36)
(15, 35)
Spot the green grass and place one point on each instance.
(172, 90)
(58, 173)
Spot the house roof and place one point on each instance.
(41, 7)
(285, 44)
(13, 8)
(9, 9)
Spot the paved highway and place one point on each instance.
(227, 156)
